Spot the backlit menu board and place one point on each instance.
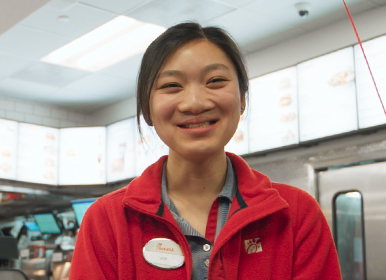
(149, 148)
(239, 143)
(370, 110)
(121, 150)
(8, 149)
(38, 154)
(327, 97)
(273, 120)
(82, 156)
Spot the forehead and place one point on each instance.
(196, 53)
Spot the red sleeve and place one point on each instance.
(95, 254)
(315, 253)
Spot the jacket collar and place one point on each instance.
(254, 189)
(144, 192)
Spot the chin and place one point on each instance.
(200, 151)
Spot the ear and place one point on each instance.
(242, 104)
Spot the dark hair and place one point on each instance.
(167, 43)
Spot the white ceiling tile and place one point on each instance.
(116, 6)
(170, 12)
(272, 40)
(337, 15)
(127, 69)
(81, 20)
(279, 10)
(50, 74)
(104, 86)
(29, 43)
(10, 64)
(237, 3)
(24, 90)
(247, 31)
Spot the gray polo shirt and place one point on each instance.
(200, 246)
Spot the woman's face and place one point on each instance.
(195, 100)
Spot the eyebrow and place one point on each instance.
(214, 66)
(208, 68)
(170, 73)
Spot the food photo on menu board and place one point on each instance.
(273, 118)
(148, 148)
(121, 150)
(370, 111)
(239, 143)
(327, 95)
(82, 156)
(8, 149)
(38, 159)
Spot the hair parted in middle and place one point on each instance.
(165, 46)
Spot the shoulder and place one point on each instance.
(107, 204)
(291, 193)
(114, 196)
(298, 200)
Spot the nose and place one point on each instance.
(195, 100)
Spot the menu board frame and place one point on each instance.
(50, 151)
(117, 162)
(364, 99)
(7, 164)
(285, 102)
(74, 152)
(342, 79)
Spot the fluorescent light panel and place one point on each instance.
(106, 45)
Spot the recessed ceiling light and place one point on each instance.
(108, 44)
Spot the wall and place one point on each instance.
(36, 113)
(118, 111)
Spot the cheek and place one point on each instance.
(231, 103)
(161, 108)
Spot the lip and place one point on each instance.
(197, 121)
(199, 130)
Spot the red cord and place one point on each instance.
(363, 51)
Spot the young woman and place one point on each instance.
(201, 213)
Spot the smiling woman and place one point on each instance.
(201, 213)
(195, 102)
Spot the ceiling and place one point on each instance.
(29, 30)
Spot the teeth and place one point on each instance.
(205, 124)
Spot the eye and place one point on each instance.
(217, 80)
(170, 85)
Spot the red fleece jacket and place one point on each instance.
(286, 224)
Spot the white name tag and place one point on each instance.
(163, 253)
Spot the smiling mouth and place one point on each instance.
(199, 125)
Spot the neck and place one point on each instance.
(203, 177)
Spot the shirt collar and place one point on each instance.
(228, 191)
